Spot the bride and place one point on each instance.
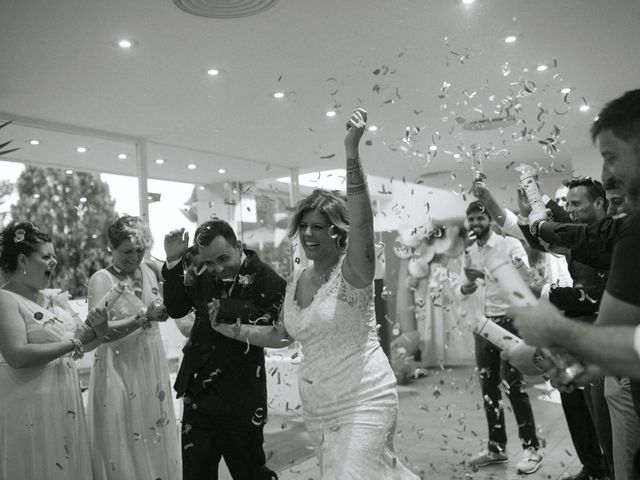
(347, 387)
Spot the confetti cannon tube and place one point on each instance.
(494, 333)
(476, 163)
(530, 187)
(112, 295)
(519, 295)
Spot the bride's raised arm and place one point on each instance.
(359, 265)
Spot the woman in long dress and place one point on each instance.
(347, 387)
(43, 432)
(132, 422)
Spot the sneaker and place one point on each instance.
(531, 461)
(487, 457)
(585, 474)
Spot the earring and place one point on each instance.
(24, 272)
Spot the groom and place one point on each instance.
(223, 381)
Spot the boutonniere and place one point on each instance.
(246, 280)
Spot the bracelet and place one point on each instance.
(78, 349)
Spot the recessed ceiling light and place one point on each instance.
(34, 142)
(565, 90)
(433, 148)
(584, 108)
(68, 172)
(83, 200)
(510, 39)
(122, 156)
(159, 161)
(468, 2)
(542, 68)
(373, 128)
(456, 155)
(81, 149)
(278, 95)
(127, 43)
(221, 171)
(330, 113)
(191, 166)
(213, 72)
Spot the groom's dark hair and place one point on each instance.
(206, 232)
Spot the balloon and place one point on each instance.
(423, 254)
(411, 282)
(410, 237)
(401, 249)
(418, 270)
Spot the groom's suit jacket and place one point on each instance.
(232, 370)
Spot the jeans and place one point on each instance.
(493, 373)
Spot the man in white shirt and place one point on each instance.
(494, 371)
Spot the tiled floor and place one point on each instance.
(442, 424)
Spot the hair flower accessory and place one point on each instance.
(19, 236)
(246, 280)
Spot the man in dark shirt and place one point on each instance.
(586, 203)
(612, 343)
(222, 380)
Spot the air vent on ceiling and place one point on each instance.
(224, 8)
(490, 123)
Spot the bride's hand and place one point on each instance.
(231, 330)
(355, 128)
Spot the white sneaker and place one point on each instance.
(531, 461)
(487, 457)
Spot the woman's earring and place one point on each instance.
(24, 272)
(332, 232)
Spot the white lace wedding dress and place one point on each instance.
(347, 387)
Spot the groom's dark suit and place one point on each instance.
(223, 381)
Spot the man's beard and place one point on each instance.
(482, 232)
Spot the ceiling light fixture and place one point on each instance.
(584, 108)
(330, 113)
(81, 149)
(468, 2)
(278, 95)
(122, 156)
(213, 72)
(510, 39)
(542, 68)
(68, 172)
(159, 161)
(192, 166)
(34, 142)
(373, 128)
(127, 43)
(222, 171)
(565, 90)
(433, 148)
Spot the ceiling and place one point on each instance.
(421, 68)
